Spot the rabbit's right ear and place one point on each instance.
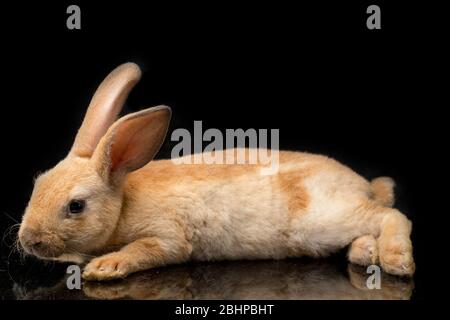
(105, 107)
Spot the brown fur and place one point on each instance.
(296, 193)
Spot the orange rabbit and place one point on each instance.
(107, 200)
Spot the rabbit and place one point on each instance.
(109, 206)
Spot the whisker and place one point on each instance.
(15, 246)
(81, 254)
(12, 218)
(9, 232)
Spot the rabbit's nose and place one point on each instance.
(36, 245)
(31, 239)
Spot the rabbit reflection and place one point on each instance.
(285, 279)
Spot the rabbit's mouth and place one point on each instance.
(43, 245)
(46, 252)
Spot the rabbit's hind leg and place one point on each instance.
(394, 243)
(392, 230)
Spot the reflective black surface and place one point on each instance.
(284, 279)
(314, 72)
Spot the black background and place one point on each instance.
(312, 70)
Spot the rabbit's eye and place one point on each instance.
(76, 206)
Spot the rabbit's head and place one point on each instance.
(75, 207)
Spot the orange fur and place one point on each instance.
(140, 214)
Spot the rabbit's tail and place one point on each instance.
(382, 190)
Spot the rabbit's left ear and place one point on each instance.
(104, 108)
(132, 141)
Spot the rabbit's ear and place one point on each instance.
(132, 141)
(105, 107)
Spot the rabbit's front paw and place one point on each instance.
(111, 266)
